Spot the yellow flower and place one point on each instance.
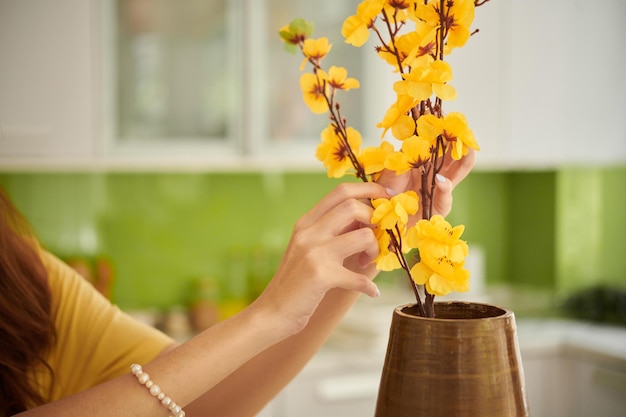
(355, 29)
(387, 260)
(458, 19)
(373, 157)
(415, 152)
(454, 129)
(396, 112)
(423, 47)
(396, 210)
(440, 276)
(314, 49)
(314, 93)
(442, 256)
(411, 47)
(334, 153)
(461, 18)
(404, 127)
(337, 77)
(425, 80)
(437, 238)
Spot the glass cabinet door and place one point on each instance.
(213, 76)
(289, 121)
(173, 76)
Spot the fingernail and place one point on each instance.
(377, 293)
(440, 178)
(390, 192)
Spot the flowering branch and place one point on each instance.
(427, 137)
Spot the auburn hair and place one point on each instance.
(26, 323)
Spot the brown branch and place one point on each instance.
(396, 243)
(392, 40)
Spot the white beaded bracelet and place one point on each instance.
(144, 379)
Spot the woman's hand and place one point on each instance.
(332, 246)
(451, 174)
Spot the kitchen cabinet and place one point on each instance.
(229, 93)
(540, 85)
(335, 384)
(598, 386)
(576, 383)
(48, 104)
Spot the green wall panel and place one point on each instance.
(555, 230)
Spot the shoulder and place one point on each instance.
(99, 338)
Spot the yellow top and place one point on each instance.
(96, 341)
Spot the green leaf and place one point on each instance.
(301, 27)
(291, 48)
(285, 35)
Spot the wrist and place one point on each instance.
(271, 319)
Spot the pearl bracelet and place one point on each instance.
(144, 379)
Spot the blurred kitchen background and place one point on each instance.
(163, 149)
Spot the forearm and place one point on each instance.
(268, 372)
(184, 374)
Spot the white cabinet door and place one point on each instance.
(568, 96)
(46, 79)
(345, 394)
(599, 390)
(542, 82)
(548, 385)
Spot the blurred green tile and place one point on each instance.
(558, 230)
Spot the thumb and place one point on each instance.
(443, 198)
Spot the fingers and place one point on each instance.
(457, 170)
(443, 195)
(394, 182)
(362, 244)
(346, 216)
(453, 172)
(360, 283)
(343, 192)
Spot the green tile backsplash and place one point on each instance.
(558, 230)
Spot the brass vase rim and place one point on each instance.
(505, 312)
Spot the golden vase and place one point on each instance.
(464, 362)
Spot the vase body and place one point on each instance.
(464, 362)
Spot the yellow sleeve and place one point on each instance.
(96, 341)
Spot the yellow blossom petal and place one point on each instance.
(313, 93)
(394, 211)
(373, 157)
(444, 91)
(334, 153)
(429, 127)
(355, 29)
(316, 48)
(440, 276)
(415, 152)
(386, 260)
(459, 17)
(423, 81)
(403, 128)
(435, 237)
(396, 112)
(338, 78)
